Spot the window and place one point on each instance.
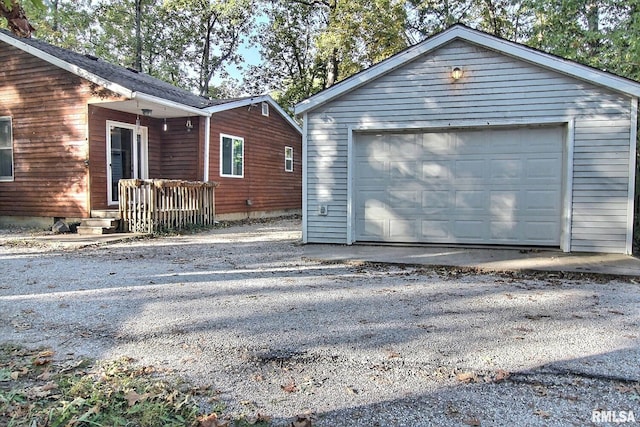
(6, 149)
(231, 156)
(265, 109)
(288, 159)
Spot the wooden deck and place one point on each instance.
(151, 205)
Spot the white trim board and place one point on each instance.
(632, 172)
(480, 38)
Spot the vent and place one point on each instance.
(133, 70)
(91, 57)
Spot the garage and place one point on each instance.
(498, 186)
(469, 139)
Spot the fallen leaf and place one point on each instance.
(45, 375)
(42, 358)
(133, 397)
(467, 377)
(501, 375)
(212, 421)
(351, 390)
(290, 387)
(45, 390)
(541, 413)
(391, 354)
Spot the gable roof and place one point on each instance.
(462, 32)
(123, 81)
(252, 100)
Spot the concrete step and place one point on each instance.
(94, 231)
(97, 226)
(100, 222)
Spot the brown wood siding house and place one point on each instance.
(266, 185)
(66, 118)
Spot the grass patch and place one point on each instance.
(35, 391)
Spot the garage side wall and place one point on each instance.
(494, 90)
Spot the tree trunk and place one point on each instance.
(332, 68)
(593, 23)
(138, 55)
(16, 18)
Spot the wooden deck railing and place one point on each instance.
(150, 205)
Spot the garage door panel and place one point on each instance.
(541, 200)
(405, 200)
(542, 168)
(470, 230)
(509, 169)
(402, 229)
(470, 201)
(372, 228)
(504, 231)
(437, 143)
(435, 230)
(542, 232)
(437, 170)
(472, 170)
(491, 186)
(505, 203)
(434, 201)
(404, 169)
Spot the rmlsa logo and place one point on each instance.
(612, 417)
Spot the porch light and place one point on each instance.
(164, 125)
(189, 125)
(146, 112)
(456, 73)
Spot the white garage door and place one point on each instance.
(499, 186)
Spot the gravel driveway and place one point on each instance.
(355, 345)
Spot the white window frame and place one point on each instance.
(9, 178)
(232, 137)
(265, 109)
(288, 158)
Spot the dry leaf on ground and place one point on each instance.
(467, 377)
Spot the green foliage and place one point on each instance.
(308, 45)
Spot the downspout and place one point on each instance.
(207, 143)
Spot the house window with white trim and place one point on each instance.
(6, 149)
(231, 156)
(288, 159)
(265, 109)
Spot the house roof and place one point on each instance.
(461, 32)
(121, 80)
(252, 100)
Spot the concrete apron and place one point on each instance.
(484, 258)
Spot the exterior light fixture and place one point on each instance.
(189, 125)
(146, 112)
(456, 73)
(164, 125)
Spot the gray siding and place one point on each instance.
(494, 89)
